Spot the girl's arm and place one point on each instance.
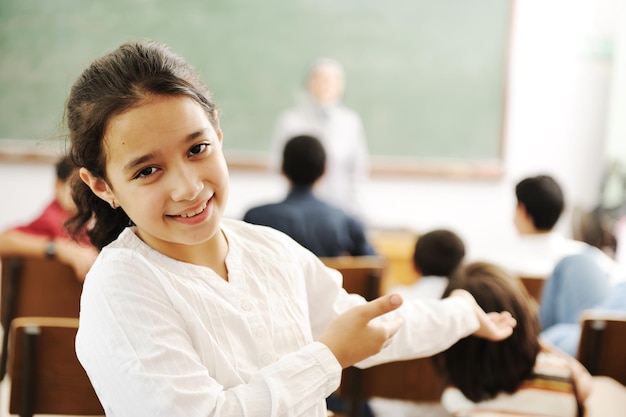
(428, 326)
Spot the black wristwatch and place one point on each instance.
(51, 250)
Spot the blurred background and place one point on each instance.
(460, 99)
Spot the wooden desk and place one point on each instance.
(607, 398)
(396, 246)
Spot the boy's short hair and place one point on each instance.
(543, 200)
(304, 160)
(438, 253)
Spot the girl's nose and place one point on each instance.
(185, 184)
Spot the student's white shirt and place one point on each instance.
(537, 255)
(159, 337)
(428, 287)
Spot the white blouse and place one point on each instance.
(160, 337)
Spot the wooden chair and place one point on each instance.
(397, 247)
(602, 344)
(361, 274)
(534, 286)
(607, 398)
(35, 287)
(413, 380)
(46, 377)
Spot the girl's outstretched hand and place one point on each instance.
(361, 331)
(493, 326)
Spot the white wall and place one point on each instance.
(616, 135)
(559, 88)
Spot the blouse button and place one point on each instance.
(267, 358)
(261, 332)
(246, 305)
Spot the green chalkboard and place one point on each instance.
(427, 76)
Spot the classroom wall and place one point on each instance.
(559, 87)
(616, 135)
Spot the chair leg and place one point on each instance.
(597, 332)
(5, 344)
(8, 306)
(354, 392)
(31, 335)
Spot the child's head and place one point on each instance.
(438, 252)
(64, 168)
(304, 160)
(107, 101)
(481, 368)
(540, 203)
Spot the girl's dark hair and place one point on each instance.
(111, 85)
(480, 368)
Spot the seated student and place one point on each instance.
(540, 203)
(324, 229)
(576, 284)
(517, 376)
(436, 256)
(46, 236)
(566, 336)
(616, 300)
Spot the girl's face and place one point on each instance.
(166, 169)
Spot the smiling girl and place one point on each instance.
(186, 313)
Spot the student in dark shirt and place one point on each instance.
(322, 228)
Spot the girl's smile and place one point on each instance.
(193, 216)
(192, 213)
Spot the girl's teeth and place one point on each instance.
(200, 210)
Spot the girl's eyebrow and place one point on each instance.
(145, 158)
(138, 161)
(196, 135)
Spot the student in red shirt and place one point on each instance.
(46, 235)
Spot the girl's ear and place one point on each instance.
(97, 185)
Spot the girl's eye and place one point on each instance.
(146, 172)
(197, 149)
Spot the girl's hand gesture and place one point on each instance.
(494, 326)
(362, 331)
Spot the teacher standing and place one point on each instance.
(321, 113)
